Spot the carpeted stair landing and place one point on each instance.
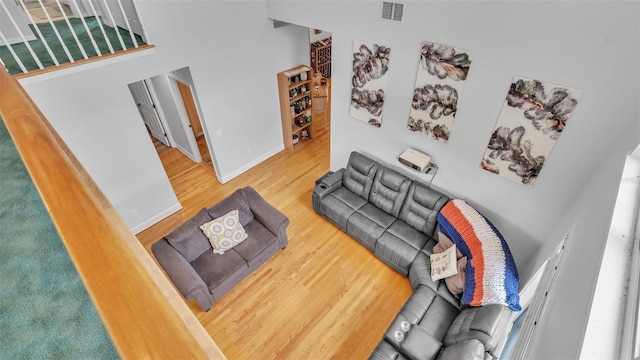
(51, 38)
(45, 311)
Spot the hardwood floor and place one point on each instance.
(324, 296)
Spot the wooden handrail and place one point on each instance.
(141, 310)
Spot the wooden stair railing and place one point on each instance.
(144, 315)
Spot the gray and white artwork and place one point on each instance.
(533, 116)
(370, 67)
(442, 71)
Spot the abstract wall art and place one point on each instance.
(370, 67)
(530, 122)
(442, 71)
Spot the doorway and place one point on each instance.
(169, 107)
(320, 59)
(196, 124)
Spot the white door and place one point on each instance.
(170, 106)
(119, 18)
(147, 110)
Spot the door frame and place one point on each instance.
(178, 78)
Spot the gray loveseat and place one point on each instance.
(396, 218)
(200, 274)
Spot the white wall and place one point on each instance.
(7, 28)
(591, 46)
(233, 53)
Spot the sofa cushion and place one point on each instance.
(401, 230)
(420, 274)
(399, 245)
(340, 205)
(389, 190)
(421, 207)
(439, 317)
(259, 239)
(367, 224)
(188, 239)
(224, 232)
(427, 309)
(395, 252)
(215, 268)
(235, 201)
(359, 174)
(489, 324)
(468, 350)
(420, 345)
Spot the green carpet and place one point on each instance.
(50, 36)
(45, 311)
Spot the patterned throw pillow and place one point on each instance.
(444, 264)
(224, 232)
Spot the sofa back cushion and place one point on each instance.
(389, 191)
(489, 324)
(235, 201)
(359, 174)
(421, 207)
(188, 239)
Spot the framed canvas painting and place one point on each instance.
(442, 71)
(369, 80)
(532, 119)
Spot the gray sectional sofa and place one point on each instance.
(396, 218)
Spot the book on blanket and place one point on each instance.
(491, 276)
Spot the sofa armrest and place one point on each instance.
(325, 186)
(333, 179)
(420, 272)
(272, 219)
(182, 274)
(470, 349)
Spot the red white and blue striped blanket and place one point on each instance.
(491, 275)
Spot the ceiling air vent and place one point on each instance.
(392, 11)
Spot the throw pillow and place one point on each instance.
(455, 283)
(224, 232)
(444, 264)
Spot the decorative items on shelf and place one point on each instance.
(294, 87)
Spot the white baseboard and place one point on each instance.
(258, 160)
(155, 219)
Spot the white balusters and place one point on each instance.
(125, 11)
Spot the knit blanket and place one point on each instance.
(491, 275)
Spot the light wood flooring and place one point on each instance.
(324, 296)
